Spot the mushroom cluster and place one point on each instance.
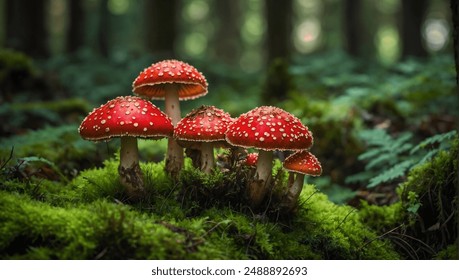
(266, 129)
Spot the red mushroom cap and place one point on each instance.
(251, 159)
(150, 82)
(303, 162)
(206, 124)
(269, 128)
(126, 116)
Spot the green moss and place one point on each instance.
(339, 231)
(60, 107)
(14, 65)
(430, 198)
(449, 253)
(201, 216)
(96, 183)
(382, 218)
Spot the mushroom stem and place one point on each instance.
(294, 190)
(259, 186)
(174, 158)
(264, 165)
(129, 169)
(172, 103)
(207, 158)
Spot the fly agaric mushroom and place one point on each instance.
(171, 80)
(251, 159)
(267, 128)
(206, 127)
(127, 118)
(300, 163)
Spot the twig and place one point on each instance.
(378, 237)
(347, 215)
(8, 159)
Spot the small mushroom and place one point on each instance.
(267, 128)
(203, 129)
(127, 118)
(300, 163)
(171, 80)
(251, 159)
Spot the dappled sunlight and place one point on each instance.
(387, 42)
(307, 36)
(436, 33)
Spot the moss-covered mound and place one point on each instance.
(89, 218)
(430, 193)
(424, 223)
(44, 215)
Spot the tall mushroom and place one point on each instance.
(205, 127)
(127, 118)
(301, 163)
(171, 80)
(267, 128)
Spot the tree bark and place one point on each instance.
(227, 38)
(26, 27)
(279, 28)
(353, 27)
(413, 12)
(103, 39)
(161, 27)
(279, 37)
(76, 27)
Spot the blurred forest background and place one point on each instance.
(367, 77)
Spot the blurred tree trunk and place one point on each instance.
(353, 27)
(26, 27)
(455, 24)
(227, 38)
(279, 28)
(103, 39)
(161, 27)
(76, 29)
(413, 12)
(359, 28)
(279, 36)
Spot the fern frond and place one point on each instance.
(438, 138)
(381, 160)
(390, 174)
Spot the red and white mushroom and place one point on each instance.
(205, 127)
(267, 128)
(251, 159)
(127, 118)
(300, 163)
(171, 80)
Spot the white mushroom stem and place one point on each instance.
(207, 157)
(129, 153)
(294, 190)
(129, 169)
(259, 187)
(172, 103)
(174, 158)
(264, 165)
